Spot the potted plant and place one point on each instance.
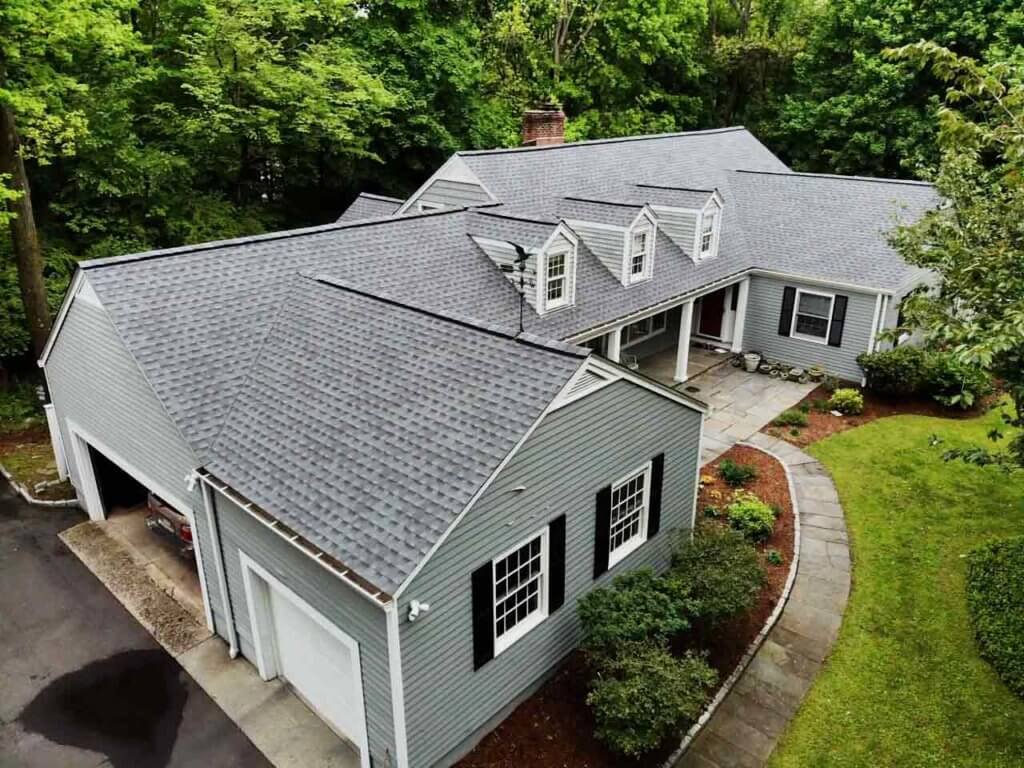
(816, 373)
(750, 361)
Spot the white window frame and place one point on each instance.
(426, 207)
(532, 620)
(632, 544)
(796, 311)
(715, 211)
(566, 252)
(646, 231)
(627, 342)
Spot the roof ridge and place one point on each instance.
(591, 142)
(283, 234)
(514, 217)
(603, 202)
(837, 177)
(674, 188)
(375, 196)
(528, 339)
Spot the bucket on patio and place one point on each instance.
(750, 361)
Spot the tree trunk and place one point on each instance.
(24, 238)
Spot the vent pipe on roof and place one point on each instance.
(543, 126)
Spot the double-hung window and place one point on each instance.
(639, 254)
(707, 231)
(644, 329)
(555, 288)
(813, 316)
(631, 498)
(520, 590)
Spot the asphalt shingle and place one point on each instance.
(369, 206)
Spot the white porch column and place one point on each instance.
(613, 346)
(683, 345)
(741, 314)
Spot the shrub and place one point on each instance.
(636, 606)
(641, 697)
(849, 402)
(751, 517)
(775, 557)
(900, 371)
(712, 512)
(19, 406)
(736, 474)
(791, 418)
(821, 406)
(995, 600)
(804, 408)
(953, 383)
(719, 570)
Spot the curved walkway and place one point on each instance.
(744, 729)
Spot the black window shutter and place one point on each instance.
(483, 615)
(556, 560)
(835, 333)
(654, 510)
(734, 302)
(602, 530)
(786, 316)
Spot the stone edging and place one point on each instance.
(27, 495)
(758, 641)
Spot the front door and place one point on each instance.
(712, 308)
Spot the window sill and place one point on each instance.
(812, 339)
(520, 630)
(625, 550)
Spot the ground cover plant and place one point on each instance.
(905, 684)
(736, 474)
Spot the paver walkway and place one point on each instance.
(744, 729)
(741, 404)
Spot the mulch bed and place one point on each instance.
(822, 424)
(554, 727)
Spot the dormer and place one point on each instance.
(621, 235)
(547, 274)
(684, 214)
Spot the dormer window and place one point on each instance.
(638, 255)
(555, 279)
(710, 223)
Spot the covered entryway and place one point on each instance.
(712, 313)
(298, 644)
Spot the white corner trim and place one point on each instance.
(218, 563)
(397, 685)
(62, 315)
(872, 338)
(485, 485)
(258, 598)
(696, 482)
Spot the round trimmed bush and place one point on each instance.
(751, 517)
(720, 571)
(643, 695)
(847, 401)
(995, 600)
(636, 606)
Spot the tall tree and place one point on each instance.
(40, 114)
(975, 243)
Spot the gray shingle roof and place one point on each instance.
(369, 206)
(366, 426)
(614, 214)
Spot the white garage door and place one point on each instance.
(320, 661)
(318, 666)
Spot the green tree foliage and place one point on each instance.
(975, 242)
(855, 111)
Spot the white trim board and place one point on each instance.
(258, 598)
(62, 315)
(397, 685)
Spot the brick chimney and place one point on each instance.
(543, 126)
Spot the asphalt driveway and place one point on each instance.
(82, 684)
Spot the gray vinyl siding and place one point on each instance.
(452, 194)
(504, 256)
(329, 595)
(680, 226)
(575, 452)
(762, 329)
(95, 382)
(608, 245)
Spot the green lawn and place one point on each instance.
(905, 686)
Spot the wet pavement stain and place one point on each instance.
(127, 706)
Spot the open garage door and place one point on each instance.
(296, 643)
(116, 488)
